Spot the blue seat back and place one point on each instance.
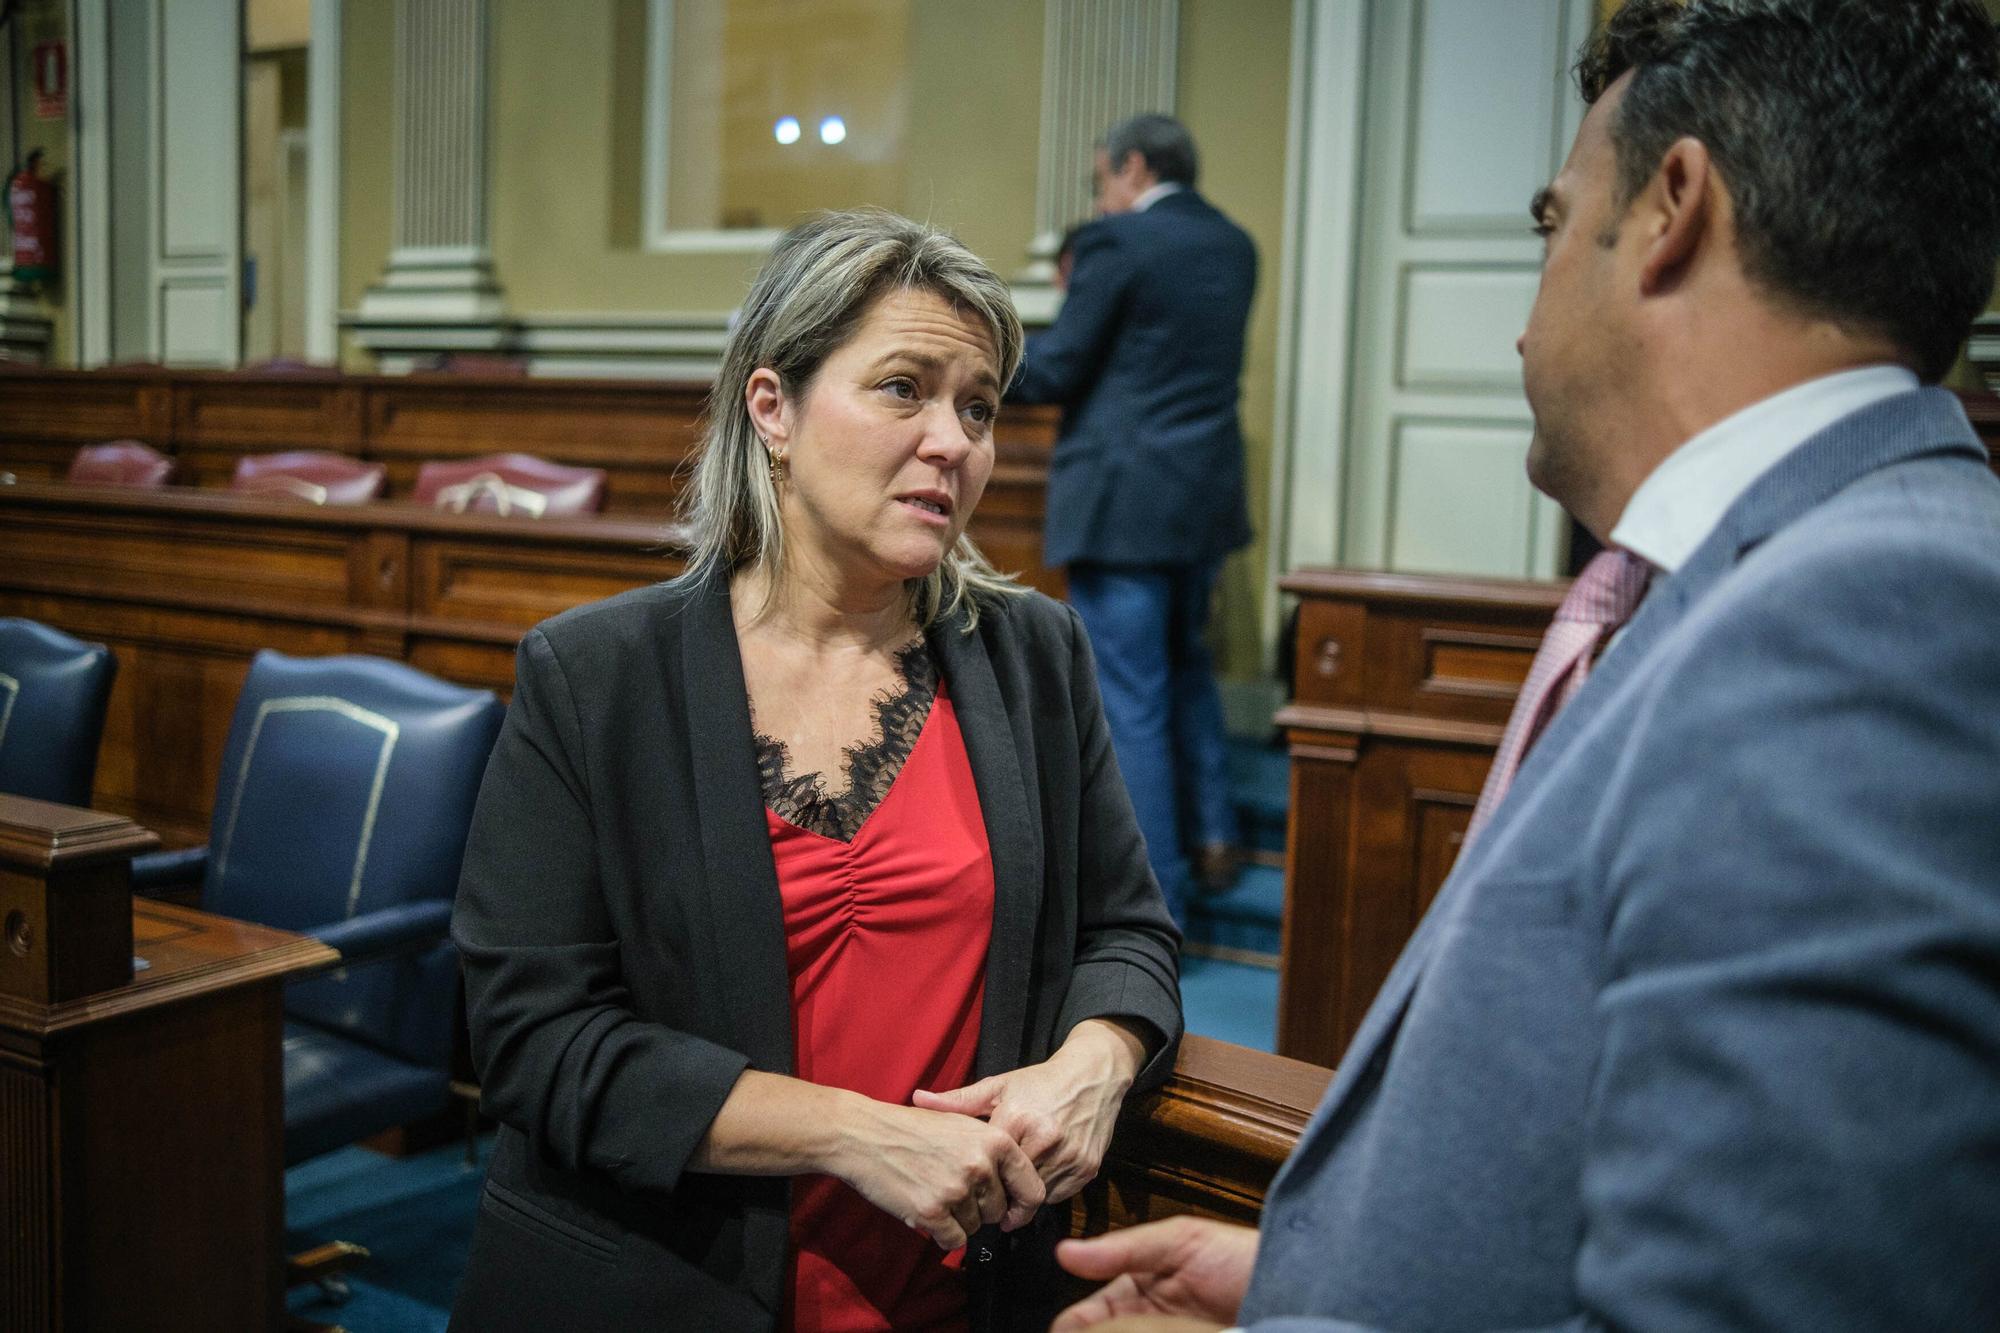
(53, 690)
(347, 787)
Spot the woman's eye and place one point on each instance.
(980, 411)
(901, 388)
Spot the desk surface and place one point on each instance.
(189, 955)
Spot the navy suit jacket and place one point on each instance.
(1145, 358)
(1703, 1032)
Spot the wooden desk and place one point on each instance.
(186, 585)
(1207, 1143)
(641, 433)
(142, 1126)
(1404, 684)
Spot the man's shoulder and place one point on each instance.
(1896, 561)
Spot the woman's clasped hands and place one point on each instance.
(997, 1150)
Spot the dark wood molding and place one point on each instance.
(38, 836)
(1208, 1142)
(1404, 684)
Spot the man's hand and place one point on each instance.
(1184, 1266)
(1060, 1111)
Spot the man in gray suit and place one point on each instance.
(1703, 1032)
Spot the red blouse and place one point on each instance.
(887, 939)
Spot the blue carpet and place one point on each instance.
(415, 1215)
(1247, 915)
(1230, 1001)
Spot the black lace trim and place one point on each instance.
(871, 766)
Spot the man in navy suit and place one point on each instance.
(1703, 1031)
(1146, 486)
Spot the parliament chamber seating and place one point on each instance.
(312, 475)
(53, 692)
(120, 463)
(509, 483)
(347, 789)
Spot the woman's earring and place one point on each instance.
(777, 469)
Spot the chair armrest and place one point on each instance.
(157, 872)
(392, 930)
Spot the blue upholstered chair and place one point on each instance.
(346, 791)
(52, 694)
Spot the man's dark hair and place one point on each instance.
(1162, 141)
(1859, 141)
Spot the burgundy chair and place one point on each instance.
(510, 484)
(120, 463)
(311, 475)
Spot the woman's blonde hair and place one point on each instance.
(812, 293)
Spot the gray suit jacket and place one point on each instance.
(624, 945)
(1704, 1031)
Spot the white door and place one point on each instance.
(1417, 205)
(194, 180)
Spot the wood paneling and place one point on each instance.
(1983, 410)
(142, 1124)
(1404, 684)
(186, 585)
(1207, 1143)
(640, 432)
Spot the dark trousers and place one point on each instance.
(1148, 627)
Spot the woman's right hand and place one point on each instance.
(941, 1173)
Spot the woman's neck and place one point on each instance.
(821, 612)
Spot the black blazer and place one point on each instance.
(624, 944)
(1146, 356)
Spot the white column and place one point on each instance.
(323, 182)
(1102, 61)
(438, 292)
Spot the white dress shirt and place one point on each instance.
(1675, 508)
(1154, 193)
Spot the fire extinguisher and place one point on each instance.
(31, 206)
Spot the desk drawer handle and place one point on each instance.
(386, 571)
(1327, 664)
(20, 935)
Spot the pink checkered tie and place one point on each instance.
(1602, 598)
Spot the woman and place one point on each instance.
(807, 929)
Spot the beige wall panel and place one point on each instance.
(976, 100)
(367, 160)
(1235, 72)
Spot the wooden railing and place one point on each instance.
(1403, 685)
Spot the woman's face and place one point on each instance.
(890, 448)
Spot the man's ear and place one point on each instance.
(1675, 210)
(764, 398)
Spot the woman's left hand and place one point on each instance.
(1060, 1111)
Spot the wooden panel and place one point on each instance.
(27, 1250)
(1983, 410)
(76, 408)
(186, 587)
(481, 583)
(640, 434)
(1319, 892)
(141, 1184)
(1208, 1143)
(220, 418)
(1404, 684)
(241, 563)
